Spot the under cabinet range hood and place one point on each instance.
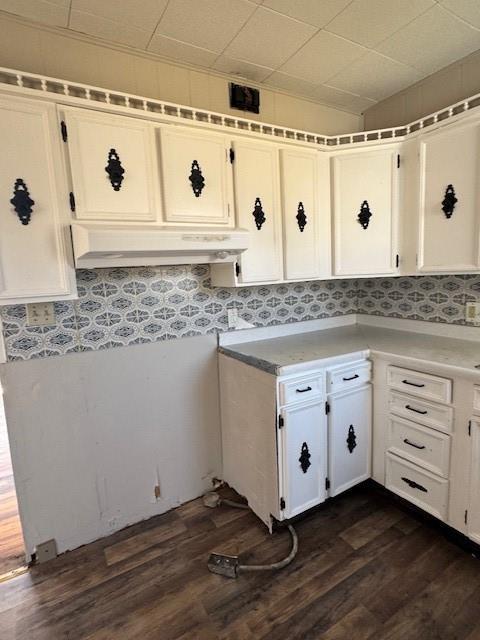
(122, 246)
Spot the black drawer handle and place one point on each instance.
(352, 378)
(304, 390)
(423, 413)
(412, 384)
(412, 444)
(415, 485)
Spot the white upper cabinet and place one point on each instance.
(35, 256)
(113, 165)
(196, 170)
(305, 180)
(303, 457)
(257, 204)
(365, 212)
(449, 199)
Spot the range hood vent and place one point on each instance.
(115, 246)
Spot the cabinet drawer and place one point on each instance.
(301, 388)
(422, 488)
(423, 385)
(424, 446)
(433, 415)
(348, 376)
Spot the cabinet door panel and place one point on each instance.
(35, 263)
(303, 457)
(196, 173)
(306, 214)
(449, 157)
(363, 183)
(474, 507)
(257, 205)
(349, 437)
(97, 141)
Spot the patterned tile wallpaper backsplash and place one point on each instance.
(118, 307)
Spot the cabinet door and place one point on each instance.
(305, 179)
(349, 437)
(113, 165)
(365, 212)
(196, 173)
(474, 506)
(303, 462)
(257, 205)
(449, 175)
(35, 257)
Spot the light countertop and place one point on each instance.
(294, 351)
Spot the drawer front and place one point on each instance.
(301, 388)
(422, 488)
(348, 376)
(430, 414)
(423, 385)
(476, 399)
(421, 445)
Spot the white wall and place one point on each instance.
(78, 58)
(456, 82)
(92, 433)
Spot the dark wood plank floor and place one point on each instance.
(366, 568)
(12, 554)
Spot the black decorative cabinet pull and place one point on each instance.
(351, 439)
(258, 214)
(21, 201)
(305, 458)
(301, 217)
(115, 170)
(365, 214)
(449, 201)
(196, 179)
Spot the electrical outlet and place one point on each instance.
(472, 312)
(40, 314)
(232, 316)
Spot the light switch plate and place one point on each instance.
(40, 314)
(472, 312)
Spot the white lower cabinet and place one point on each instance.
(303, 447)
(349, 438)
(35, 255)
(474, 497)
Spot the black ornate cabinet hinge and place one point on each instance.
(258, 214)
(304, 458)
(196, 179)
(327, 484)
(115, 170)
(364, 215)
(22, 203)
(301, 217)
(449, 201)
(232, 155)
(237, 269)
(72, 202)
(282, 504)
(351, 439)
(281, 422)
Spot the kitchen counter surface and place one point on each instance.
(295, 352)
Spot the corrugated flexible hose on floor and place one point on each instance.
(230, 566)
